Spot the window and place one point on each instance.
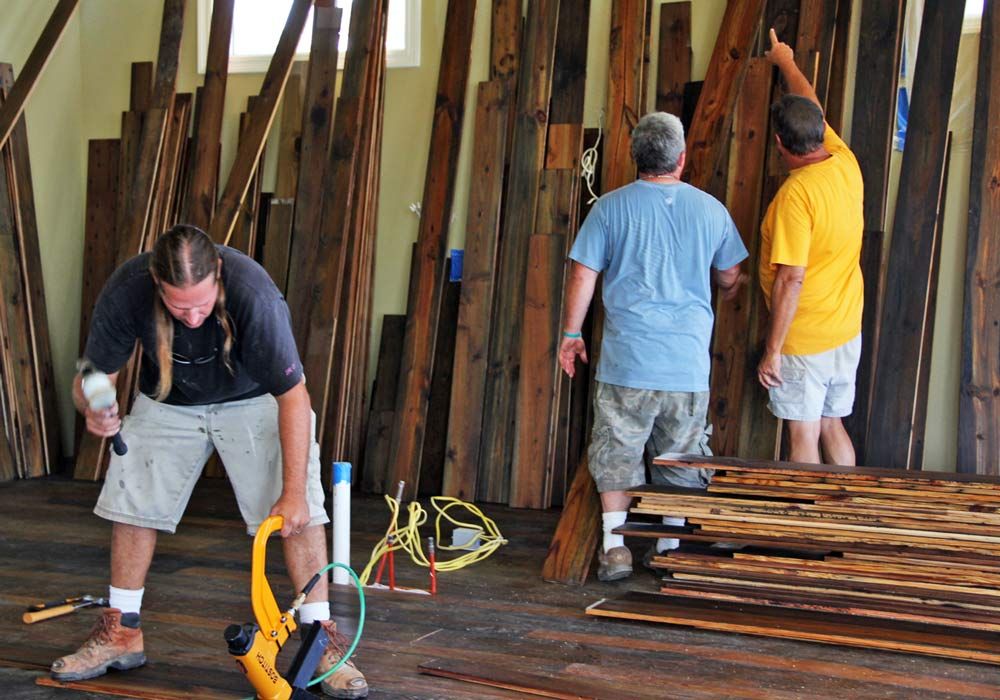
(257, 26)
(973, 16)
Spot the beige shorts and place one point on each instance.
(817, 386)
(167, 449)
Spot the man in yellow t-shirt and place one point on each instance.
(810, 275)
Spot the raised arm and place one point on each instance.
(782, 56)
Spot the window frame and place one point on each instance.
(405, 58)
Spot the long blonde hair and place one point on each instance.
(182, 257)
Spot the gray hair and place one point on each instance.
(657, 143)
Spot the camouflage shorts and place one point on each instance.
(629, 422)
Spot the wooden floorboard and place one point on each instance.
(497, 614)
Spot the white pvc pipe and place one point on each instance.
(341, 520)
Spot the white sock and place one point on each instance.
(612, 520)
(126, 600)
(314, 611)
(665, 543)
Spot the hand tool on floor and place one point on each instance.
(100, 394)
(46, 611)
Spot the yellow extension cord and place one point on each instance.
(408, 538)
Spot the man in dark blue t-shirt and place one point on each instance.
(220, 371)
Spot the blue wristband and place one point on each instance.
(572, 335)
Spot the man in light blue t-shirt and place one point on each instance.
(661, 244)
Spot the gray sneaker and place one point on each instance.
(614, 564)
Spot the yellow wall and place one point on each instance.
(58, 167)
(86, 87)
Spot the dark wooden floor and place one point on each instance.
(497, 613)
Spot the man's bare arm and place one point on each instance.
(782, 56)
(728, 281)
(784, 303)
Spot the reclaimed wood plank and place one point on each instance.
(836, 97)
(482, 230)
(505, 34)
(529, 682)
(905, 304)
(99, 232)
(861, 473)
(922, 395)
(289, 137)
(204, 180)
(319, 259)
(251, 147)
(730, 376)
(574, 542)
(345, 412)
(814, 43)
(674, 69)
(423, 306)
(534, 87)
(15, 323)
(142, 191)
(628, 18)
(442, 383)
(34, 297)
(828, 628)
(13, 106)
(174, 144)
(533, 438)
(278, 241)
(979, 394)
(562, 212)
(383, 404)
(244, 233)
(317, 125)
(726, 71)
(873, 125)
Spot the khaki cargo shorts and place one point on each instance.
(817, 386)
(629, 422)
(167, 449)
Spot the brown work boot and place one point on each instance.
(347, 681)
(110, 645)
(614, 564)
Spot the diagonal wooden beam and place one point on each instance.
(261, 118)
(705, 143)
(13, 106)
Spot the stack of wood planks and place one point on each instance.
(314, 234)
(879, 558)
(29, 435)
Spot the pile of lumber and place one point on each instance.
(29, 434)
(866, 557)
(314, 234)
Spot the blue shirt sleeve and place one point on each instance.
(591, 246)
(731, 250)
